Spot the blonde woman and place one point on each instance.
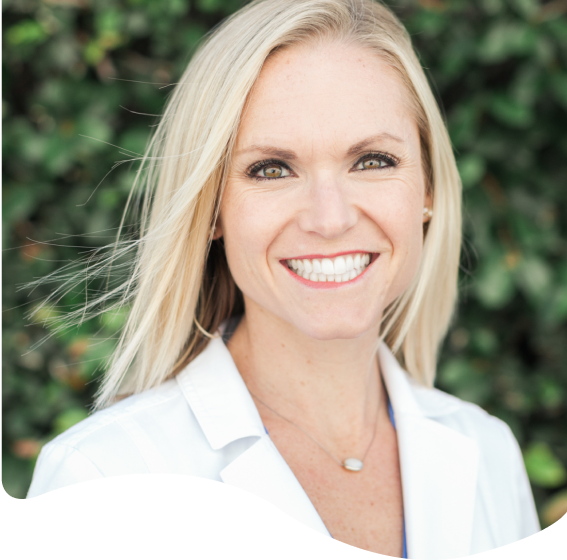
(295, 275)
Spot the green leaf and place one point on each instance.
(471, 169)
(511, 112)
(543, 467)
(463, 123)
(551, 393)
(27, 32)
(485, 340)
(455, 371)
(94, 52)
(115, 319)
(17, 203)
(506, 39)
(526, 8)
(494, 285)
(492, 7)
(498, 69)
(464, 380)
(210, 6)
(109, 21)
(534, 277)
(68, 418)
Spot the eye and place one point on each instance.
(273, 172)
(375, 161)
(269, 170)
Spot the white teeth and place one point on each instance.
(327, 267)
(340, 265)
(339, 269)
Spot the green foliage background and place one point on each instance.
(78, 68)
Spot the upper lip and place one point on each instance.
(332, 256)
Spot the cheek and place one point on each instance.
(406, 257)
(403, 227)
(250, 224)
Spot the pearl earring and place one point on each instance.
(427, 213)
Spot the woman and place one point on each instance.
(303, 231)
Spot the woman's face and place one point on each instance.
(322, 215)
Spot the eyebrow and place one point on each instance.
(290, 155)
(270, 151)
(360, 146)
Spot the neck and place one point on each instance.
(331, 388)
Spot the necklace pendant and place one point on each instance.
(352, 464)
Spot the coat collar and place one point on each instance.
(219, 397)
(439, 467)
(438, 464)
(226, 412)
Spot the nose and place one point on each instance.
(328, 211)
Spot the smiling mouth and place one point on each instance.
(338, 269)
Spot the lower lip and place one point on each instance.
(330, 285)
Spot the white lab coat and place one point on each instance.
(465, 489)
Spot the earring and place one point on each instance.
(427, 213)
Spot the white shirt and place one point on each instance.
(465, 488)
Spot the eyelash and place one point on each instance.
(390, 160)
(265, 163)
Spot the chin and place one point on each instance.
(338, 328)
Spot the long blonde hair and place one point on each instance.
(179, 288)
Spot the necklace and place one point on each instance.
(350, 464)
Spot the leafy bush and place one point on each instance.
(76, 70)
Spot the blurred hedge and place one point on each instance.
(75, 70)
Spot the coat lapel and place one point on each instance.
(438, 464)
(439, 471)
(263, 471)
(226, 412)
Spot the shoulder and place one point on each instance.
(499, 452)
(466, 417)
(113, 441)
(502, 478)
(410, 397)
(492, 435)
(156, 401)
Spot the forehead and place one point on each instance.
(326, 92)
